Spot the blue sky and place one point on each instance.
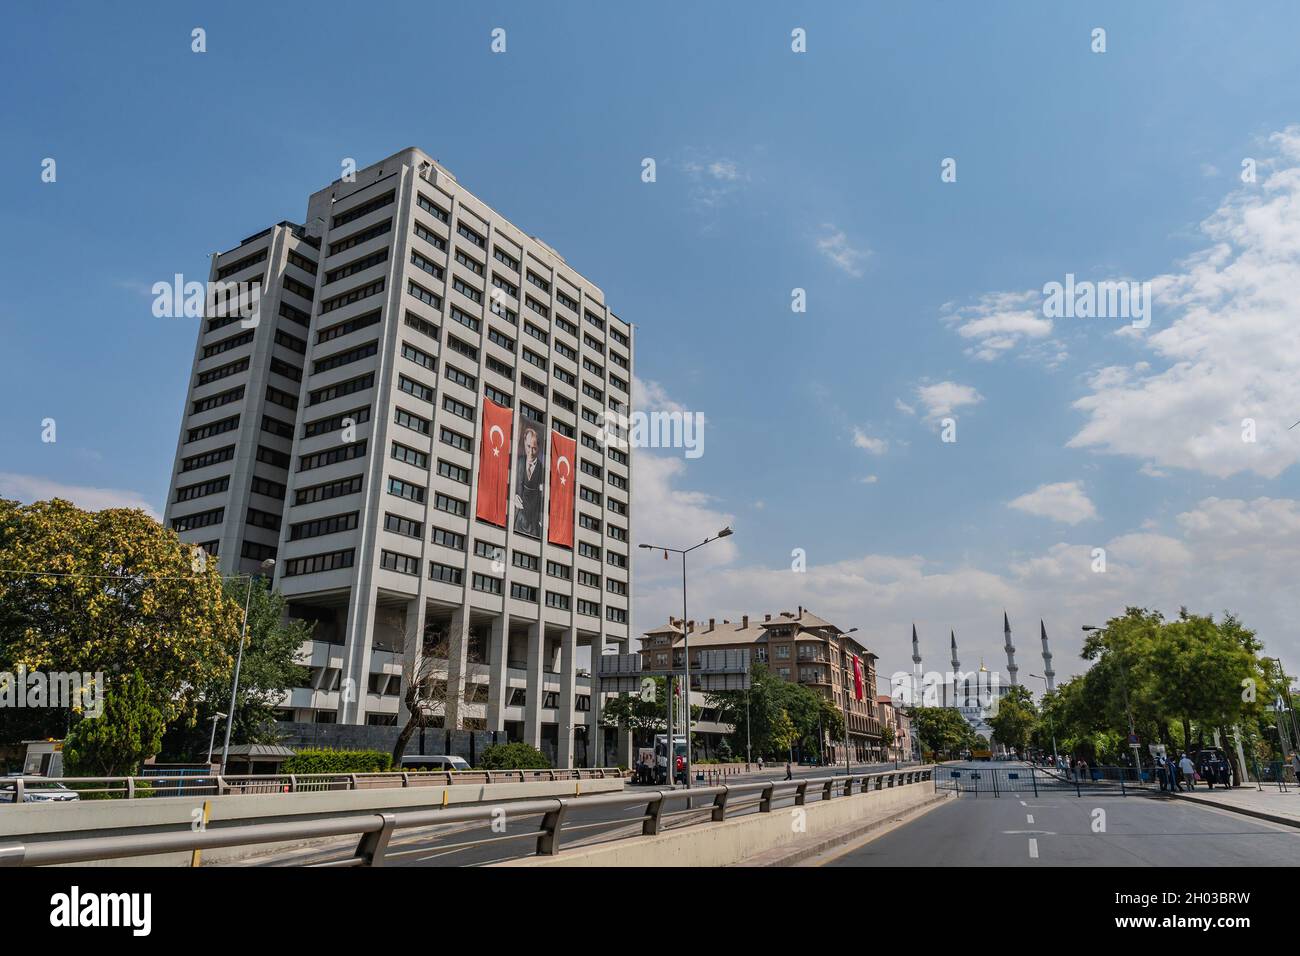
(775, 170)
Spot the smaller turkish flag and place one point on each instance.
(559, 519)
(857, 677)
(494, 463)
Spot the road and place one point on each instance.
(1057, 830)
(436, 846)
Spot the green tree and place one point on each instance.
(118, 741)
(515, 756)
(886, 736)
(92, 591)
(942, 730)
(270, 668)
(1013, 719)
(783, 734)
(810, 714)
(642, 717)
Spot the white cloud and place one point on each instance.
(674, 517)
(869, 480)
(1063, 501)
(29, 488)
(877, 446)
(944, 398)
(835, 246)
(713, 179)
(1222, 554)
(999, 322)
(665, 513)
(1227, 348)
(903, 407)
(650, 396)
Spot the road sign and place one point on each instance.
(1132, 740)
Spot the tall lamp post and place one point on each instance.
(266, 565)
(1050, 723)
(212, 738)
(1123, 683)
(686, 650)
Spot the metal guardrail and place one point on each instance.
(988, 778)
(211, 785)
(375, 830)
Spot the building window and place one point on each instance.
(403, 526)
(323, 526)
(487, 584)
(449, 539)
(317, 563)
(445, 573)
(404, 489)
(401, 563)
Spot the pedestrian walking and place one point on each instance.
(1189, 771)
(760, 763)
(789, 771)
(1295, 763)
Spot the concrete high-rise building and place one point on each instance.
(346, 435)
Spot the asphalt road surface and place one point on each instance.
(1058, 830)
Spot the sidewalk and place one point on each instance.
(1267, 804)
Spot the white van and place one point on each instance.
(433, 762)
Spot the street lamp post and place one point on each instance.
(686, 650)
(1051, 724)
(266, 565)
(212, 738)
(1123, 684)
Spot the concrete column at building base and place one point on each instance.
(535, 689)
(458, 642)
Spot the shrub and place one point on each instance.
(517, 756)
(325, 760)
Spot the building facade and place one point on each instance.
(414, 429)
(799, 647)
(894, 716)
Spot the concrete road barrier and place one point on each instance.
(732, 841)
(33, 823)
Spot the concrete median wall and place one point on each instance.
(36, 823)
(733, 841)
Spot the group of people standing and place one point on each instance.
(1179, 775)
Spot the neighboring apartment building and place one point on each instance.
(414, 432)
(897, 719)
(799, 647)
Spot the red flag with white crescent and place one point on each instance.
(857, 677)
(494, 463)
(559, 522)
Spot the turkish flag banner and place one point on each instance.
(857, 677)
(494, 463)
(559, 522)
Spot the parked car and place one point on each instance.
(433, 762)
(41, 792)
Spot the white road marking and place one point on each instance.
(1033, 848)
(1023, 804)
(1030, 817)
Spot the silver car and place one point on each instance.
(42, 792)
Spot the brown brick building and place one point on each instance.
(800, 647)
